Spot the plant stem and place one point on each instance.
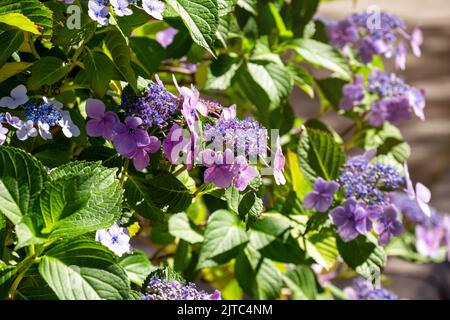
(199, 189)
(22, 269)
(172, 69)
(123, 174)
(180, 171)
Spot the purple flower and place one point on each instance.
(377, 114)
(13, 120)
(352, 94)
(446, 226)
(398, 109)
(165, 37)
(387, 225)
(408, 208)
(229, 113)
(18, 96)
(116, 239)
(243, 173)
(102, 123)
(140, 155)
(3, 132)
(221, 168)
(278, 164)
(429, 239)
(129, 137)
(342, 33)
(421, 194)
(416, 41)
(321, 197)
(351, 219)
(400, 57)
(416, 99)
(175, 144)
(26, 130)
(69, 128)
(98, 12)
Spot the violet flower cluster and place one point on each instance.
(366, 188)
(99, 9)
(173, 290)
(390, 98)
(40, 116)
(184, 139)
(375, 33)
(363, 289)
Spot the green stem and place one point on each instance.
(33, 48)
(180, 171)
(22, 270)
(199, 189)
(124, 172)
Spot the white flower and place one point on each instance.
(154, 8)
(3, 132)
(26, 130)
(68, 127)
(121, 7)
(116, 239)
(44, 130)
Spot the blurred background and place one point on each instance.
(430, 140)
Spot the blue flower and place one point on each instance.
(98, 12)
(173, 290)
(322, 195)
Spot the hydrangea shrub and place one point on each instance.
(147, 145)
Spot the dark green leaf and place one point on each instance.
(99, 71)
(149, 53)
(137, 266)
(302, 282)
(12, 39)
(47, 71)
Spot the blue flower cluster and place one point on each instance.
(368, 182)
(46, 113)
(375, 33)
(173, 290)
(247, 136)
(362, 289)
(156, 107)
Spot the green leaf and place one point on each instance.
(302, 281)
(319, 155)
(12, 68)
(83, 270)
(303, 79)
(21, 179)
(77, 202)
(321, 55)
(275, 80)
(250, 206)
(19, 21)
(47, 71)
(201, 18)
(34, 10)
(181, 227)
(167, 192)
(363, 255)
(221, 72)
(302, 12)
(322, 248)
(137, 266)
(99, 71)
(6, 273)
(330, 92)
(137, 197)
(120, 53)
(149, 53)
(256, 275)
(224, 237)
(12, 40)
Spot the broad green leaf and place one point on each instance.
(10, 69)
(167, 192)
(302, 79)
(19, 21)
(363, 255)
(322, 248)
(201, 17)
(34, 10)
(319, 155)
(28, 231)
(221, 72)
(120, 54)
(12, 39)
(47, 71)
(225, 6)
(137, 266)
(181, 227)
(3, 233)
(6, 273)
(302, 12)
(302, 282)
(148, 52)
(251, 206)
(76, 203)
(249, 5)
(137, 196)
(99, 71)
(272, 237)
(257, 276)
(321, 55)
(224, 237)
(21, 179)
(83, 270)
